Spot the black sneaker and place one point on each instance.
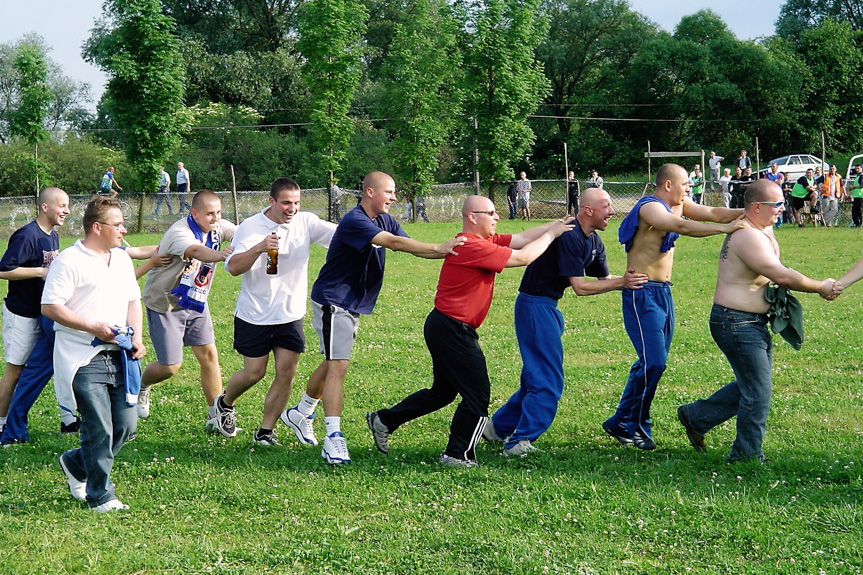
(380, 433)
(73, 427)
(643, 441)
(266, 438)
(617, 432)
(696, 440)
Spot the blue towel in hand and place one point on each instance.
(629, 225)
(131, 367)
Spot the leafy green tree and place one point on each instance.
(503, 80)
(28, 119)
(795, 16)
(421, 100)
(330, 42)
(136, 47)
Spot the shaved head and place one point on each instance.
(50, 195)
(377, 181)
(475, 203)
(668, 172)
(760, 191)
(591, 196)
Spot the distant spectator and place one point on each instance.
(595, 180)
(512, 199)
(787, 186)
(572, 191)
(774, 175)
(857, 198)
(831, 190)
(523, 188)
(184, 185)
(724, 183)
(109, 182)
(714, 163)
(162, 195)
(743, 161)
(696, 180)
(802, 193)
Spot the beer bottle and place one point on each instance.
(273, 260)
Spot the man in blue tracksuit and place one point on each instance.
(539, 324)
(648, 234)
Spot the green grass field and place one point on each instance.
(204, 504)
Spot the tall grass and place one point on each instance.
(204, 504)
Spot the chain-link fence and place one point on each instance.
(548, 200)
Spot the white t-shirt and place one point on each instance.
(82, 281)
(281, 298)
(161, 280)
(715, 163)
(183, 176)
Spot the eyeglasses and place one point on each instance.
(773, 204)
(486, 212)
(115, 226)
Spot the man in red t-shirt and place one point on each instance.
(463, 297)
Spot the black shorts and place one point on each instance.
(252, 340)
(798, 203)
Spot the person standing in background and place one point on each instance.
(572, 191)
(184, 185)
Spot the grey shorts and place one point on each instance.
(169, 332)
(336, 329)
(19, 336)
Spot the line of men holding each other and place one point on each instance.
(271, 305)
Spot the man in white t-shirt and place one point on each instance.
(184, 185)
(523, 188)
(93, 297)
(714, 164)
(176, 300)
(270, 307)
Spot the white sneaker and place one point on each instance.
(110, 505)
(301, 425)
(77, 488)
(489, 434)
(144, 403)
(520, 449)
(335, 449)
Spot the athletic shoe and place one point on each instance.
(301, 425)
(489, 434)
(226, 418)
(77, 488)
(617, 432)
(211, 423)
(73, 427)
(696, 440)
(110, 505)
(380, 433)
(520, 449)
(335, 449)
(643, 441)
(445, 459)
(2, 427)
(144, 403)
(266, 439)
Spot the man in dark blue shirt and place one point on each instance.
(539, 324)
(25, 263)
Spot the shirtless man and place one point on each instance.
(648, 233)
(748, 261)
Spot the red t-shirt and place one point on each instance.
(466, 281)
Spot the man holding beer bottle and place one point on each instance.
(271, 252)
(176, 300)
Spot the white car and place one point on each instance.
(851, 175)
(795, 165)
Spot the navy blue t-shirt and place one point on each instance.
(353, 274)
(571, 255)
(29, 247)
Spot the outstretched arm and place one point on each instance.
(656, 216)
(419, 249)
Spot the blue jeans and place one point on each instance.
(531, 410)
(34, 377)
(106, 424)
(648, 316)
(161, 197)
(745, 340)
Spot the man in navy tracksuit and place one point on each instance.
(648, 234)
(539, 324)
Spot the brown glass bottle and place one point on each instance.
(273, 260)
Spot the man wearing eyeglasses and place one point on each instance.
(648, 234)
(462, 301)
(748, 262)
(93, 297)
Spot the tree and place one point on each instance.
(135, 46)
(28, 119)
(419, 90)
(795, 16)
(330, 34)
(503, 81)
